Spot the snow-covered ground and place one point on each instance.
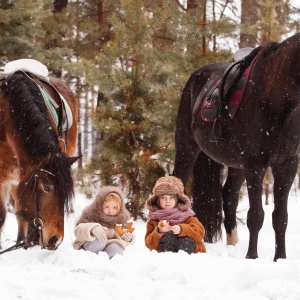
(221, 273)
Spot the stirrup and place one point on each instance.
(213, 137)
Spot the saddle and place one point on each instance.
(54, 101)
(224, 98)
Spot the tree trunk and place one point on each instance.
(101, 15)
(79, 146)
(204, 27)
(86, 125)
(249, 16)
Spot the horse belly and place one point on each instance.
(227, 153)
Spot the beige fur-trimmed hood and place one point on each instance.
(93, 213)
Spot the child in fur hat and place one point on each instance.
(95, 228)
(172, 225)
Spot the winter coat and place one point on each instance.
(191, 227)
(83, 234)
(93, 215)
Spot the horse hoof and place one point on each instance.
(248, 256)
(233, 238)
(281, 257)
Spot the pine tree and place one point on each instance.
(270, 23)
(21, 28)
(265, 20)
(142, 71)
(137, 113)
(80, 27)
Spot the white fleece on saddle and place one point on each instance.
(27, 65)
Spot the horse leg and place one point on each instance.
(230, 194)
(255, 216)
(207, 196)
(2, 217)
(283, 179)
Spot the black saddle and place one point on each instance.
(228, 82)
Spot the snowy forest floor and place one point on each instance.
(221, 273)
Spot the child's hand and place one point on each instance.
(127, 237)
(99, 232)
(164, 227)
(176, 229)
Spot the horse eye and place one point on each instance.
(46, 189)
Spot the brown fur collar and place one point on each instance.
(94, 213)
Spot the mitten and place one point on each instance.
(99, 232)
(127, 237)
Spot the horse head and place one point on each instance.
(44, 195)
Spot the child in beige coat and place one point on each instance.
(95, 230)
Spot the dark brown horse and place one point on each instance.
(264, 132)
(35, 158)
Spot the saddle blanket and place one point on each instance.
(209, 108)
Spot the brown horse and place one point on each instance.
(35, 158)
(265, 132)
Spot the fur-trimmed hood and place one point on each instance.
(93, 213)
(169, 185)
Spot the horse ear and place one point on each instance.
(73, 159)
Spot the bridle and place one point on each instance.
(37, 221)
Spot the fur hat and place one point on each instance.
(169, 185)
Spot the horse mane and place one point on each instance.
(29, 115)
(60, 165)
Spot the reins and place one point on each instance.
(37, 221)
(20, 244)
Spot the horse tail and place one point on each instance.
(207, 196)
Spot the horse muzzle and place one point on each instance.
(52, 243)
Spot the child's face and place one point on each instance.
(111, 208)
(167, 201)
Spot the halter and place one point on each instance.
(37, 221)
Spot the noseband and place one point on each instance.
(37, 221)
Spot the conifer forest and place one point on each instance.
(127, 62)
